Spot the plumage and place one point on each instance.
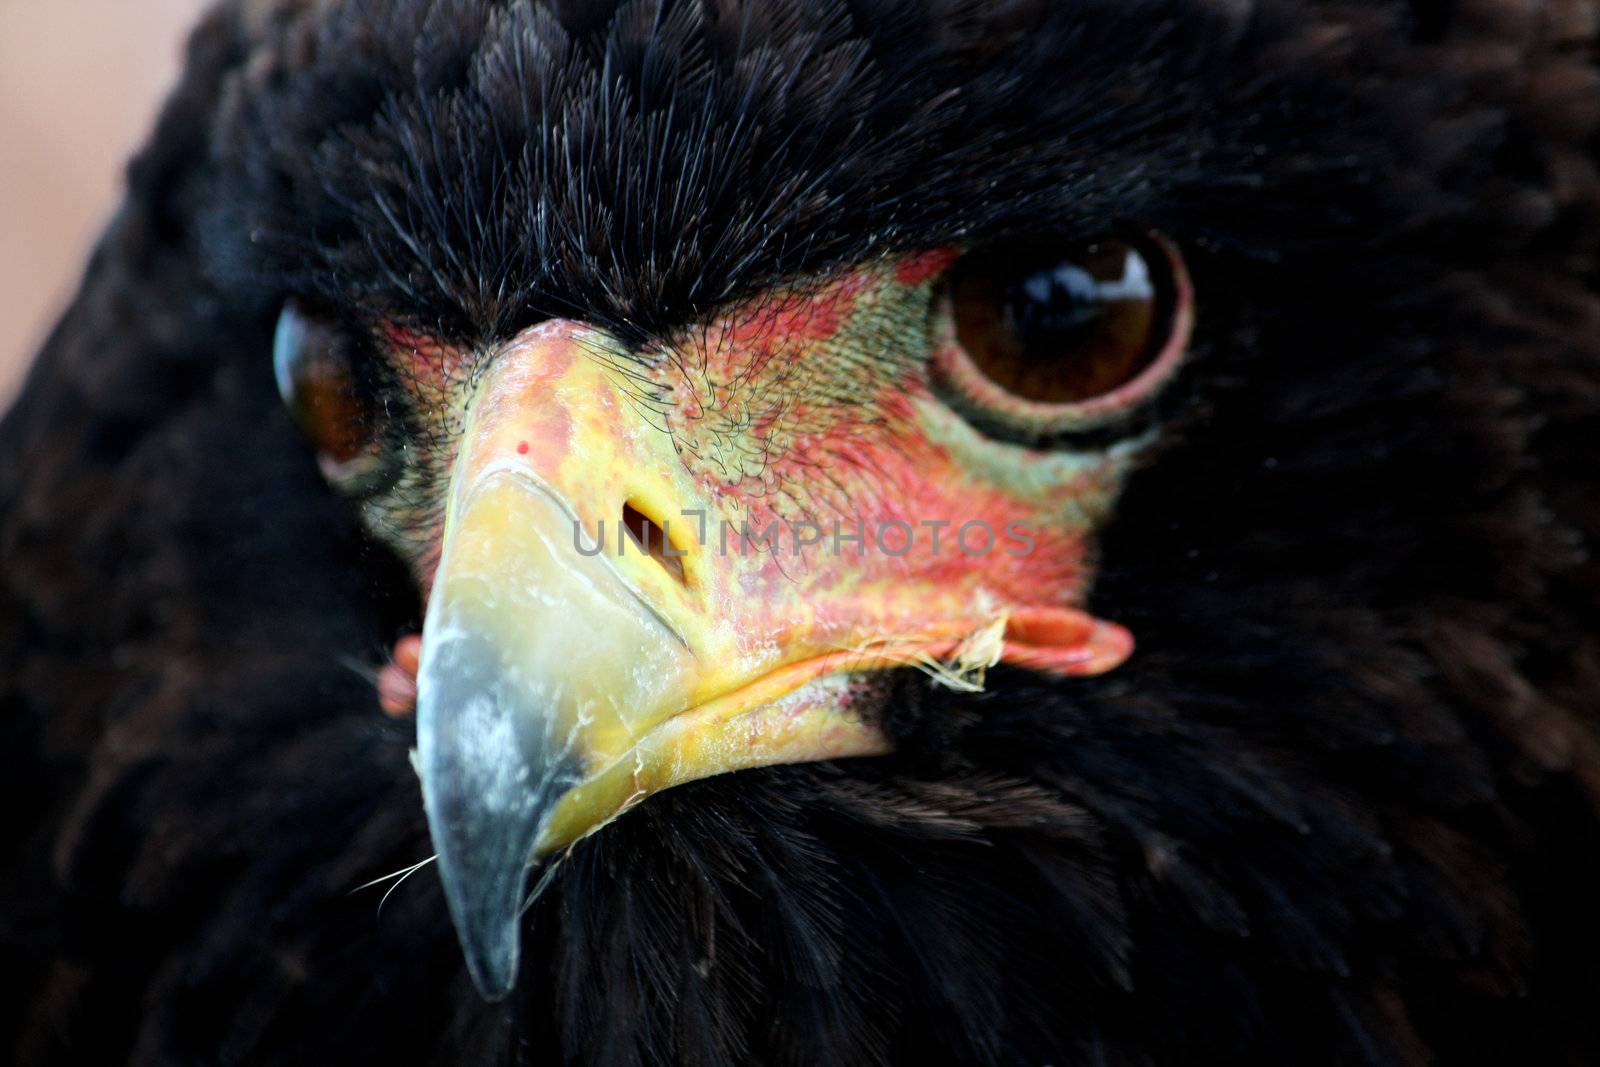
(1340, 805)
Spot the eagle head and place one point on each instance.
(649, 563)
(888, 531)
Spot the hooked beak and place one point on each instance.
(586, 645)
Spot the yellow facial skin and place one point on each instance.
(566, 673)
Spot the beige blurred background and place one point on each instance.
(80, 83)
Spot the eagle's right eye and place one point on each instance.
(314, 361)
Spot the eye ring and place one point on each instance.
(976, 395)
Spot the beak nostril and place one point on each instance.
(648, 536)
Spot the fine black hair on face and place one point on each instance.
(1338, 808)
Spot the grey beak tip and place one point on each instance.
(484, 884)
(492, 962)
(488, 783)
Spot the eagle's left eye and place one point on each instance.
(315, 361)
(1053, 337)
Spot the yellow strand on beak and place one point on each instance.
(968, 666)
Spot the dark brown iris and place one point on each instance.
(1062, 326)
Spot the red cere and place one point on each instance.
(923, 267)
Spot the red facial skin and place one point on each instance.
(817, 404)
(924, 267)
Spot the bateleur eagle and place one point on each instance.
(887, 531)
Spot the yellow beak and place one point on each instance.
(592, 636)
